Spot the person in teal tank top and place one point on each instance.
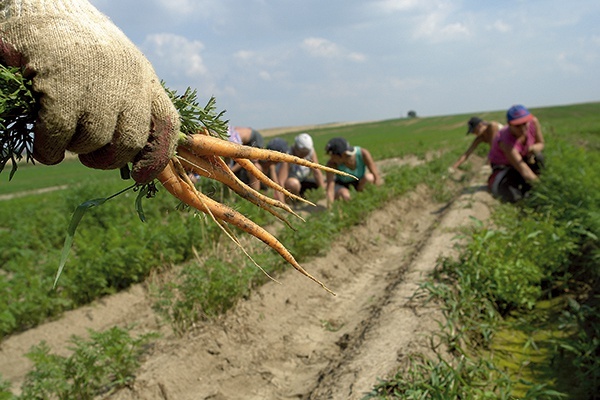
(354, 160)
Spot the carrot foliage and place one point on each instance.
(193, 116)
(17, 115)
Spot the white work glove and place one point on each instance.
(99, 96)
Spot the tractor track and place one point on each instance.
(353, 343)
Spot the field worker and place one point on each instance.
(353, 160)
(249, 137)
(516, 155)
(299, 179)
(484, 132)
(233, 135)
(278, 172)
(98, 95)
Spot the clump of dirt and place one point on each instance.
(293, 340)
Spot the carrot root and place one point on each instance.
(258, 174)
(201, 153)
(215, 168)
(203, 144)
(175, 180)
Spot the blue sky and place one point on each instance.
(273, 63)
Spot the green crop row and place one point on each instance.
(112, 249)
(99, 365)
(525, 287)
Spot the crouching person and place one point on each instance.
(354, 160)
(299, 179)
(516, 155)
(276, 171)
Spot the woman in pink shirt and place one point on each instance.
(516, 155)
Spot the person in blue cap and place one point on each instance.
(516, 155)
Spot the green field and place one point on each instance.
(385, 139)
(114, 249)
(39, 176)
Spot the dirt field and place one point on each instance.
(293, 340)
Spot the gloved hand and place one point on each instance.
(99, 96)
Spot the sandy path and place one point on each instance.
(295, 341)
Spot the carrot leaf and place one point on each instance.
(17, 115)
(194, 117)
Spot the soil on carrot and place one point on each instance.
(293, 340)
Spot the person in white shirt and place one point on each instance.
(299, 178)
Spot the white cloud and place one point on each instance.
(433, 26)
(358, 57)
(244, 55)
(389, 6)
(455, 29)
(187, 7)
(318, 47)
(323, 48)
(265, 75)
(566, 65)
(265, 59)
(501, 26)
(179, 52)
(182, 6)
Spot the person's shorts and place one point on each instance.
(299, 172)
(307, 184)
(243, 176)
(506, 183)
(347, 185)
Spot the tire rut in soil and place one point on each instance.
(351, 344)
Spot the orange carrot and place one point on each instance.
(205, 145)
(258, 174)
(215, 168)
(201, 153)
(176, 185)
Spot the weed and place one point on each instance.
(5, 393)
(424, 378)
(99, 365)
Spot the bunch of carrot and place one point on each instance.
(201, 153)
